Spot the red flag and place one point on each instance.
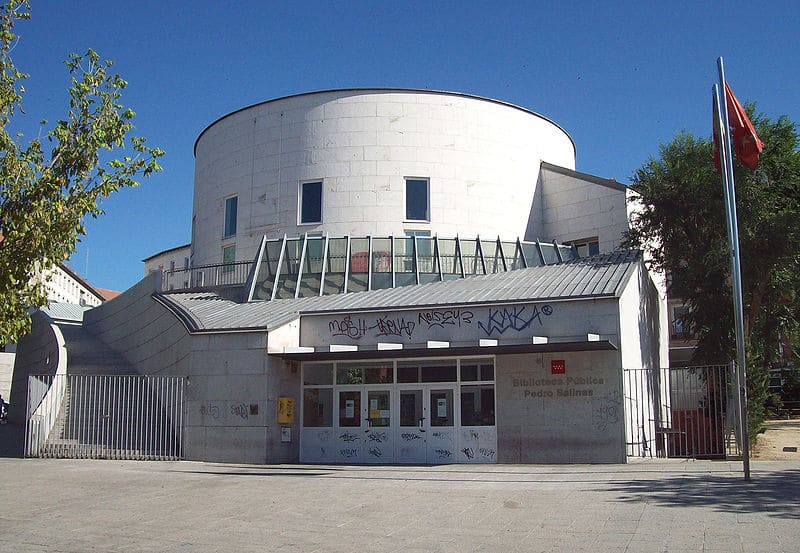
(746, 142)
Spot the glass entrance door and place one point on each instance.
(378, 442)
(416, 412)
(350, 427)
(363, 430)
(426, 432)
(411, 438)
(441, 443)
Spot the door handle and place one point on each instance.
(420, 424)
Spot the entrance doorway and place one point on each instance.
(427, 426)
(410, 412)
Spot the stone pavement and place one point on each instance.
(646, 505)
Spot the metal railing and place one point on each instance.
(220, 274)
(685, 412)
(105, 417)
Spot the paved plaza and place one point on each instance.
(646, 505)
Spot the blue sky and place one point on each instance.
(620, 77)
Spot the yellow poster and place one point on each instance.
(285, 410)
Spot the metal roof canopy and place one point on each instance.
(597, 277)
(551, 347)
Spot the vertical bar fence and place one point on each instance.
(682, 412)
(127, 417)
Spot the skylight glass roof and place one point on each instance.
(318, 266)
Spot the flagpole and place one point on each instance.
(729, 188)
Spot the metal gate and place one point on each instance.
(687, 412)
(105, 417)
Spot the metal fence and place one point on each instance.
(105, 417)
(682, 412)
(221, 274)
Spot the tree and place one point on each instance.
(49, 184)
(682, 227)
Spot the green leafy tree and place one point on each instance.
(48, 185)
(682, 226)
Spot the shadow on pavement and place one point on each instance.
(774, 493)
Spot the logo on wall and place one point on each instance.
(558, 366)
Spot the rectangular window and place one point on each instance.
(477, 405)
(680, 330)
(586, 247)
(310, 202)
(417, 200)
(231, 205)
(318, 407)
(318, 374)
(473, 370)
(228, 258)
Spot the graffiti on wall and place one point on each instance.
(497, 321)
(516, 318)
(356, 328)
(606, 411)
(447, 317)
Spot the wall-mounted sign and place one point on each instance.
(558, 366)
(285, 410)
(286, 434)
(441, 408)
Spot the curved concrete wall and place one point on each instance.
(481, 157)
(41, 351)
(143, 331)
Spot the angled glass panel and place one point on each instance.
(451, 264)
(512, 255)
(428, 265)
(267, 269)
(404, 262)
(470, 257)
(491, 256)
(359, 265)
(549, 251)
(335, 266)
(381, 263)
(287, 279)
(531, 252)
(567, 252)
(312, 267)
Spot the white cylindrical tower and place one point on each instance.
(374, 162)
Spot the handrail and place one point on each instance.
(216, 274)
(41, 415)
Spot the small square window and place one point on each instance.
(231, 205)
(310, 202)
(417, 200)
